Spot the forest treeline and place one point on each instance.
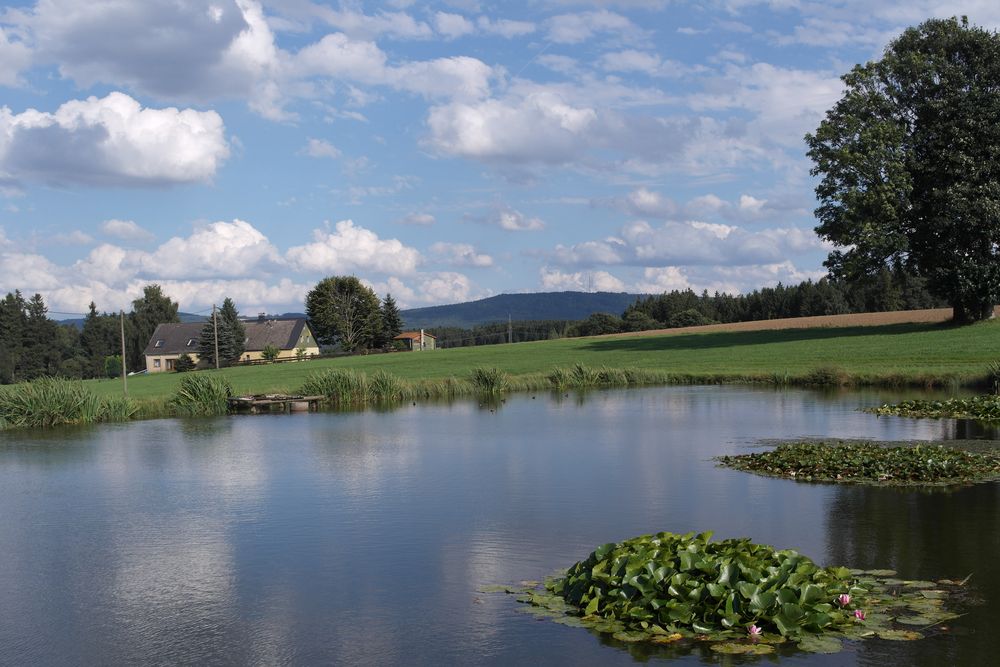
(32, 345)
(891, 289)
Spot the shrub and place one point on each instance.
(113, 366)
(270, 353)
(688, 318)
(184, 363)
(828, 376)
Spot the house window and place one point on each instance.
(159, 342)
(156, 363)
(192, 341)
(170, 364)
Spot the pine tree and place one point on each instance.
(13, 322)
(231, 332)
(392, 321)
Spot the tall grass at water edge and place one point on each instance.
(57, 401)
(202, 395)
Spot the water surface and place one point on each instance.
(363, 538)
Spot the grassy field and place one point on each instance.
(912, 353)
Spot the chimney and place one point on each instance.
(261, 317)
(421, 339)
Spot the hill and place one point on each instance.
(184, 317)
(533, 306)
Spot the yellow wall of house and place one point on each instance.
(312, 351)
(151, 360)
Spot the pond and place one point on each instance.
(364, 538)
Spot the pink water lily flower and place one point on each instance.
(859, 614)
(754, 631)
(843, 599)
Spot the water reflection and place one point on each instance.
(364, 537)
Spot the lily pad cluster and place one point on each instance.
(983, 408)
(740, 596)
(868, 462)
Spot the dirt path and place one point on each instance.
(930, 315)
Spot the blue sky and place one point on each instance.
(440, 151)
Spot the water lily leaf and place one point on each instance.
(934, 594)
(817, 644)
(733, 648)
(915, 620)
(881, 573)
(631, 637)
(899, 635)
(571, 621)
(919, 584)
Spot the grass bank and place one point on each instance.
(914, 354)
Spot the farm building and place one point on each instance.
(415, 340)
(170, 341)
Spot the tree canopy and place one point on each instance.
(232, 336)
(910, 165)
(344, 311)
(151, 309)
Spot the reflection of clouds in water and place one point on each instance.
(172, 574)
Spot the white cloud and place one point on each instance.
(641, 202)
(219, 250)
(509, 219)
(584, 281)
(319, 148)
(576, 28)
(126, 230)
(452, 26)
(659, 279)
(73, 238)
(505, 27)
(15, 57)
(112, 141)
(351, 248)
(460, 254)
(420, 219)
(650, 64)
(423, 289)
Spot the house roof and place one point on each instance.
(177, 338)
(413, 335)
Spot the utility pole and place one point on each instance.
(124, 376)
(215, 328)
(510, 330)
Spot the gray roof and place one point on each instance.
(175, 338)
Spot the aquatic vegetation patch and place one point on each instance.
(870, 463)
(740, 596)
(56, 401)
(490, 380)
(983, 408)
(202, 394)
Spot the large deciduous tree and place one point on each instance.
(344, 311)
(910, 165)
(151, 309)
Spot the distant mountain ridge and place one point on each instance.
(184, 317)
(529, 306)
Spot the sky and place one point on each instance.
(440, 151)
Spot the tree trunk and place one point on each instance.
(972, 310)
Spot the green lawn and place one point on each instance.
(911, 352)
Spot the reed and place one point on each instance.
(384, 387)
(490, 380)
(202, 394)
(341, 388)
(55, 401)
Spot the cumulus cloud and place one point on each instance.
(460, 254)
(126, 230)
(112, 141)
(659, 279)
(583, 281)
(349, 248)
(220, 250)
(650, 64)
(641, 202)
(428, 288)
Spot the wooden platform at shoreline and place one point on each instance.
(271, 402)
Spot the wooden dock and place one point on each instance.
(272, 402)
